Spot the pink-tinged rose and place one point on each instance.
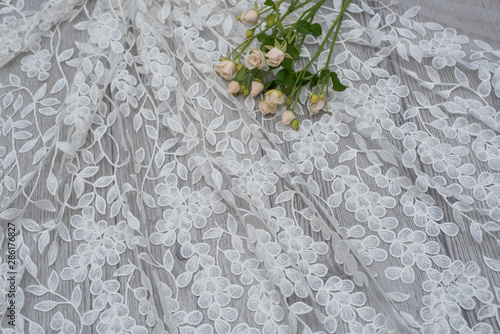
(257, 87)
(255, 59)
(249, 16)
(234, 87)
(287, 117)
(275, 97)
(226, 69)
(266, 108)
(315, 108)
(274, 57)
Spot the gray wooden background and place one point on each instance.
(473, 24)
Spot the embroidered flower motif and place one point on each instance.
(79, 104)
(440, 155)
(188, 208)
(337, 298)
(358, 328)
(37, 64)
(312, 141)
(445, 47)
(487, 152)
(264, 302)
(375, 103)
(256, 179)
(105, 30)
(104, 243)
(10, 35)
(116, 319)
(158, 64)
(214, 294)
(125, 85)
(455, 288)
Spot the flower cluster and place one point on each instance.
(37, 64)
(277, 53)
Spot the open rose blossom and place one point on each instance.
(266, 108)
(249, 16)
(255, 59)
(274, 57)
(275, 97)
(315, 107)
(287, 117)
(234, 87)
(256, 88)
(226, 69)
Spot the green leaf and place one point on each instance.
(308, 75)
(293, 39)
(261, 36)
(269, 85)
(316, 29)
(280, 76)
(304, 27)
(241, 74)
(337, 86)
(324, 73)
(265, 39)
(314, 81)
(292, 51)
(287, 64)
(288, 90)
(289, 80)
(306, 78)
(269, 3)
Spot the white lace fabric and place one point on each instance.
(146, 199)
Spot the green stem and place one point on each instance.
(293, 8)
(337, 20)
(264, 10)
(296, 100)
(280, 26)
(264, 75)
(323, 84)
(247, 42)
(341, 15)
(239, 46)
(312, 11)
(303, 4)
(278, 23)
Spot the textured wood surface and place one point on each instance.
(460, 247)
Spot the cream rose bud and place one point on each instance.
(314, 108)
(234, 87)
(274, 57)
(226, 69)
(249, 16)
(257, 87)
(255, 59)
(287, 117)
(275, 97)
(266, 108)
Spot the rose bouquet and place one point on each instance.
(270, 67)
